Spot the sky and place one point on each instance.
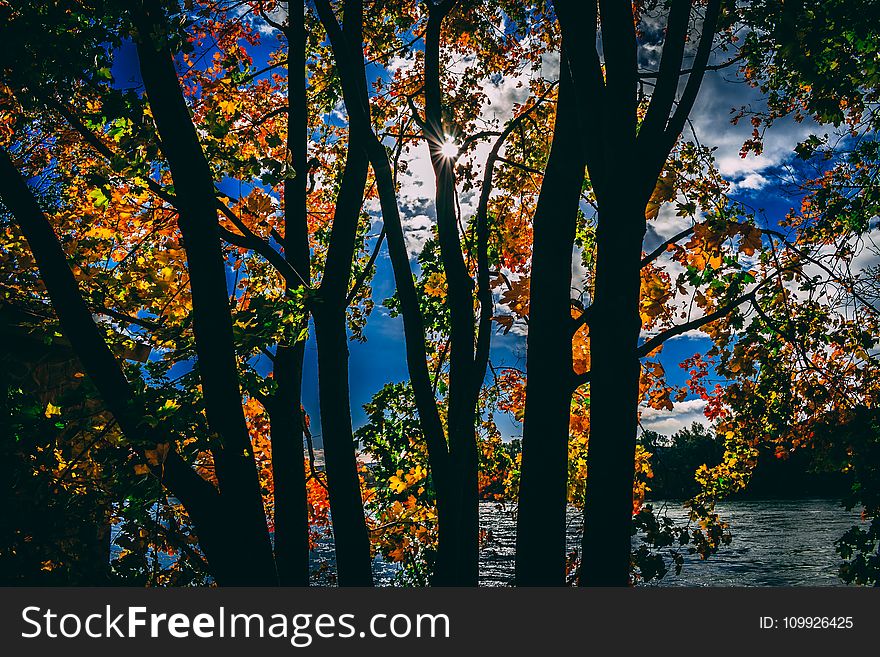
(757, 181)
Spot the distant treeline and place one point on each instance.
(676, 458)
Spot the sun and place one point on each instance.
(449, 149)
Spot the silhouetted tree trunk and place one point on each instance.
(351, 539)
(614, 386)
(347, 51)
(541, 521)
(329, 311)
(623, 165)
(212, 324)
(285, 407)
(202, 501)
(458, 552)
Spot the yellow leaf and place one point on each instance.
(435, 286)
(52, 410)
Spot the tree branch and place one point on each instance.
(87, 341)
(250, 240)
(676, 123)
(660, 250)
(650, 345)
(655, 119)
(366, 272)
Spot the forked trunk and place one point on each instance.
(541, 522)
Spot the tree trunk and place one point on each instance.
(351, 538)
(286, 414)
(458, 552)
(541, 519)
(216, 530)
(347, 50)
(350, 535)
(614, 385)
(212, 322)
(288, 467)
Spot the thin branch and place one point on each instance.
(250, 240)
(128, 319)
(484, 292)
(520, 165)
(660, 250)
(366, 272)
(686, 71)
(669, 73)
(650, 345)
(691, 89)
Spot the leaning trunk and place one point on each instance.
(212, 321)
(347, 49)
(216, 530)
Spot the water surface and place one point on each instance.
(775, 543)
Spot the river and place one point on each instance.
(775, 543)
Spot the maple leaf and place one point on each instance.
(506, 321)
(436, 285)
(516, 297)
(664, 191)
(751, 239)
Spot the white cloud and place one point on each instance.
(723, 91)
(751, 182)
(416, 231)
(668, 422)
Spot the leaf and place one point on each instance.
(157, 456)
(751, 240)
(517, 296)
(506, 321)
(99, 198)
(436, 285)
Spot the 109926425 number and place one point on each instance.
(817, 622)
